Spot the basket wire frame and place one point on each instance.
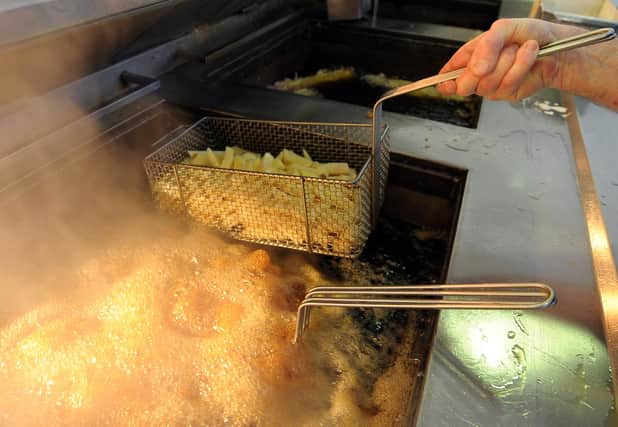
(323, 216)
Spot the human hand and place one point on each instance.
(501, 63)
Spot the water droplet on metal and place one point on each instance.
(458, 147)
(520, 355)
(520, 323)
(586, 404)
(580, 370)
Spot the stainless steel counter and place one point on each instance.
(522, 219)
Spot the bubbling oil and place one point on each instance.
(188, 330)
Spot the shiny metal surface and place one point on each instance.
(577, 41)
(515, 369)
(28, 120)
(521, 220)
(377, 112)
(19, 166)
(30, 18)
(486, 296)
(599, 128)
(422, 29)
(562, 377)
(25, 19)
(602, 258)
(573, 19)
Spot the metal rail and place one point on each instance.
(605, 274)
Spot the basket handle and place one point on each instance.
(495, 296)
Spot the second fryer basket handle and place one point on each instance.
(496, 296)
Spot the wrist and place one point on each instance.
(589, 72)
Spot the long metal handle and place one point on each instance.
(519, 296)
(460, 289)
(579, 40)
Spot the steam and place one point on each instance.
(65, 195)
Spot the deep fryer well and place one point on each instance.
(303, 48)
(410, 245)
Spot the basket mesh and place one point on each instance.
(317, 215)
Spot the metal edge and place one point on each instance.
(96, 142)
(263, 38)
(423, 349)
(354, 183)
(63, 16)
(287, 123)
(228, 171)
(580, 20)
(91, 91)
(84, 124)
(604, 268)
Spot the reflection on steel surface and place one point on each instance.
(602, 258)
(498, 357)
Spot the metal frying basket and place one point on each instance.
(325, 216)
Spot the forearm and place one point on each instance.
(591, 72)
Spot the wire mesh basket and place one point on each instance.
(318, 215)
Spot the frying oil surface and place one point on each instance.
(187, 331)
